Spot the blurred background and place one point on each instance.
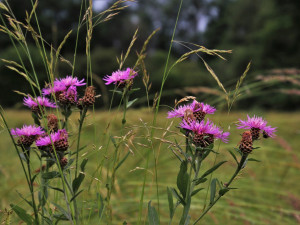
(265, 32)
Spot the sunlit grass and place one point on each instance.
(267, 192)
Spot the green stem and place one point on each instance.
(126, 97)
(26, 153)
(196, 160)
(238, 169)
(82, 116)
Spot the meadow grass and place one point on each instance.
(267, 191)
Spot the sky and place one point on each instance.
(98, 4)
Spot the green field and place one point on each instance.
(268, 192)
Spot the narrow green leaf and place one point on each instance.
(200, 180)
(100, 204)
(116, 91)
(28, 202)
(130, 103)
(196, 191)
(78, 193)
(83, 164)
(223, 191)
(59, 217)
(177, 156)
(212, 169)
(57, 189)
(233, 156)
(33, 178)
(152, 215)
(22, 214)
(254, 160)
(171, 204)
(123, 160)
(212, 190)
(183, 179)
(239, 151)
(50, 175)
(113, 141)
(77, 182)
(177, 196)
(133, 90)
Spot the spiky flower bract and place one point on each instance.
(59, 140)
(27, 134)
(64, 89)
(204, 132)
(256, 125)
(120, 76)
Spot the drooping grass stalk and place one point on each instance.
(165, 75)
(238, 169)
(77, 38)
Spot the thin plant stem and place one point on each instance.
(155, 118)
(81, 120)
(238, 169)
(27, 155)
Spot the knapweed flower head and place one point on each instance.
(27, 134)
(89, 96)
(35, 104)
(69, 96)
(52, 123)
(194, 111)
(204, 132)
(256, 126)
(58, 88)
(64, 89)
(120, 77)
(59, 139)
(69, 81)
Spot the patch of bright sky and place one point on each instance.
(98, 5)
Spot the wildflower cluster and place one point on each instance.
(193, 122)
(200, 134)
(50, 138)
(121, 78)
(256, 127)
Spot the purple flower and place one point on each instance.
(120, 76)
(69, 81)
(39, 101)
(30, 130)
(44, 141)
(256, 125)
(55, 89)
(197, 110)
(27, 134)
(71, 94)
(203, 129)
(61, 85)
(59, 140)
